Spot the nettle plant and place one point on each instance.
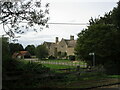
(21, 16)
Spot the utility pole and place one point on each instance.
(94, 59)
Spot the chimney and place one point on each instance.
(57, 40)
(71, 37)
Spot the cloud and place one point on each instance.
(61, 11)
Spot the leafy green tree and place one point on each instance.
(6, 56)
(30, 12)
(97, 39)
(5, 48)
(116, 22)
(31, 49)
(72, 57)
(15, 47)
(116, 16)
(41, 52)
(103, 38)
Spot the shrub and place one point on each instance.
(51, 57)
(72, 57)
(99, 69)
(41, 52)
(112, 68)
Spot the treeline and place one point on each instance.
(22, 70)
(102, 37)
(8, 49)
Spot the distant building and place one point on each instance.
(21, 55)
(64, 46)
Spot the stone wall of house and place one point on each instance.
(62, 46)
(70, 51)
(52, 51)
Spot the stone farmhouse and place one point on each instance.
(64, 46)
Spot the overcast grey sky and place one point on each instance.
(67, 11)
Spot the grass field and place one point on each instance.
(54, 66)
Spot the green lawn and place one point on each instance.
(114, 76)
(54, 66)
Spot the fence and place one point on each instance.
(62, 63)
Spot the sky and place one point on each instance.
(67, 11)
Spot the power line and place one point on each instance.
(63, 23)
(70, 23)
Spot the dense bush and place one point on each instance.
(41, 52)
(72, 57)
(103, 38)
(25, 66)
(99, 69)
(112, 68)
(51, 57)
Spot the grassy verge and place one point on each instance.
(114, 76)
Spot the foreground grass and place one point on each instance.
(82, 81)
(114, 76)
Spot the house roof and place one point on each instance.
(24, 52)
(49, 44)
(70, 43)
(21, 53)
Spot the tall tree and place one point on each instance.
(16, 17)
(41, 52)
(103, 38)
(116, 16)
(5, 48)
(31, 49)
(15, 47)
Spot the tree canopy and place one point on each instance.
(5, 48)
(17, 17)
(31, 49)
(15, 47)
(41, 52)
(103, 38)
